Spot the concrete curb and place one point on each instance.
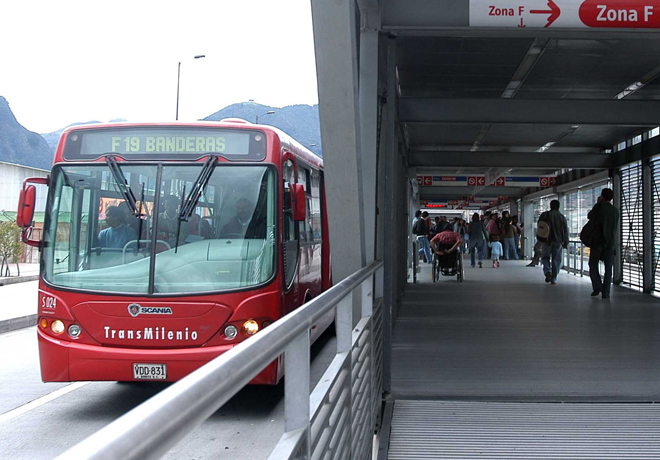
(13, 324)
(18, 279)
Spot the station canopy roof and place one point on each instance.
(480, 94)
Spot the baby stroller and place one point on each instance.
(448, 264)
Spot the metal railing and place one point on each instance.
(336, 421)
(574, 258)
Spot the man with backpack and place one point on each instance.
(606, 222)
(421, 230)
(552, 232)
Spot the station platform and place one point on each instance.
(505, 334)
(504, 365)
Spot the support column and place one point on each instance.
(335, 44)
(528, 229)
(368, 105)
(389, 234)
(618, 261)
(647, 225)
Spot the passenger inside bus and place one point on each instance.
(118, 234)
(198, 228)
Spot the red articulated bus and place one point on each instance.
(167, 244)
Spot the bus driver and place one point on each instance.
(118, 233)
(238, 224)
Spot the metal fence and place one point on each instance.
(336, 421)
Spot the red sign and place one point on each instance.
(453, 202)
(637, 14)
(420, 179)
(481, 181)
(548, 181)
(428, 180)
(503, 198)
(492, 202)
(500, 182)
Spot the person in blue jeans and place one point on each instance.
(607, 217)
(556, 241)
(477, 239)
(421, 230)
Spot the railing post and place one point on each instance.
(378, 284)
(344, 327)
(296, 387)
(344, 324)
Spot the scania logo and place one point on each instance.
(135, 309)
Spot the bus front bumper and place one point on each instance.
(67, 361)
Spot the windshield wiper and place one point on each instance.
(190, 202)
(122, 183)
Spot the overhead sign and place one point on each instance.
(629, 14)
(478, 182)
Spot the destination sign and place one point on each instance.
(170, 142)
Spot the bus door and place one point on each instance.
(290, 238)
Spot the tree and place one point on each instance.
(10, 242)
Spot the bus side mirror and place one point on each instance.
(26, 205)
(298, 195)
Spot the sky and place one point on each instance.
(66, 61)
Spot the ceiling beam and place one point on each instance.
(512, 160)
(457, 192)
(528, 111)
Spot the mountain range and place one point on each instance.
(20, 146)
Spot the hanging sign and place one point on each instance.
(628, 14)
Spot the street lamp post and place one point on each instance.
(270, 112)
(178, 81)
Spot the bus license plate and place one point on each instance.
(149, 371)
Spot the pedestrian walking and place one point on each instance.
(552, 231)
(478, 238)
(421, 230)
(606, 217)
(496, 250)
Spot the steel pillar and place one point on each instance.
(647, 225)
(389, 234)
(368, 104)
(618, 260)
(335, 44)
(528, 229)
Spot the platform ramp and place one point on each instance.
(493, 430)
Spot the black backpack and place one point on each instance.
(420, 227)
(591, 234)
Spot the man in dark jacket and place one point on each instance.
(556, 242)
(607, 218)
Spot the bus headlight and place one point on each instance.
(250, 327)
(74, 331)
(57, 327)
(231, 331)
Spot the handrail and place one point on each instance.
(150, 429)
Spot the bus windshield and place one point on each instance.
(91, 233)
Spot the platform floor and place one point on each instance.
(506, 335)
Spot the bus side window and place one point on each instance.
(290, 243)
(316, 206)
(306, 228)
